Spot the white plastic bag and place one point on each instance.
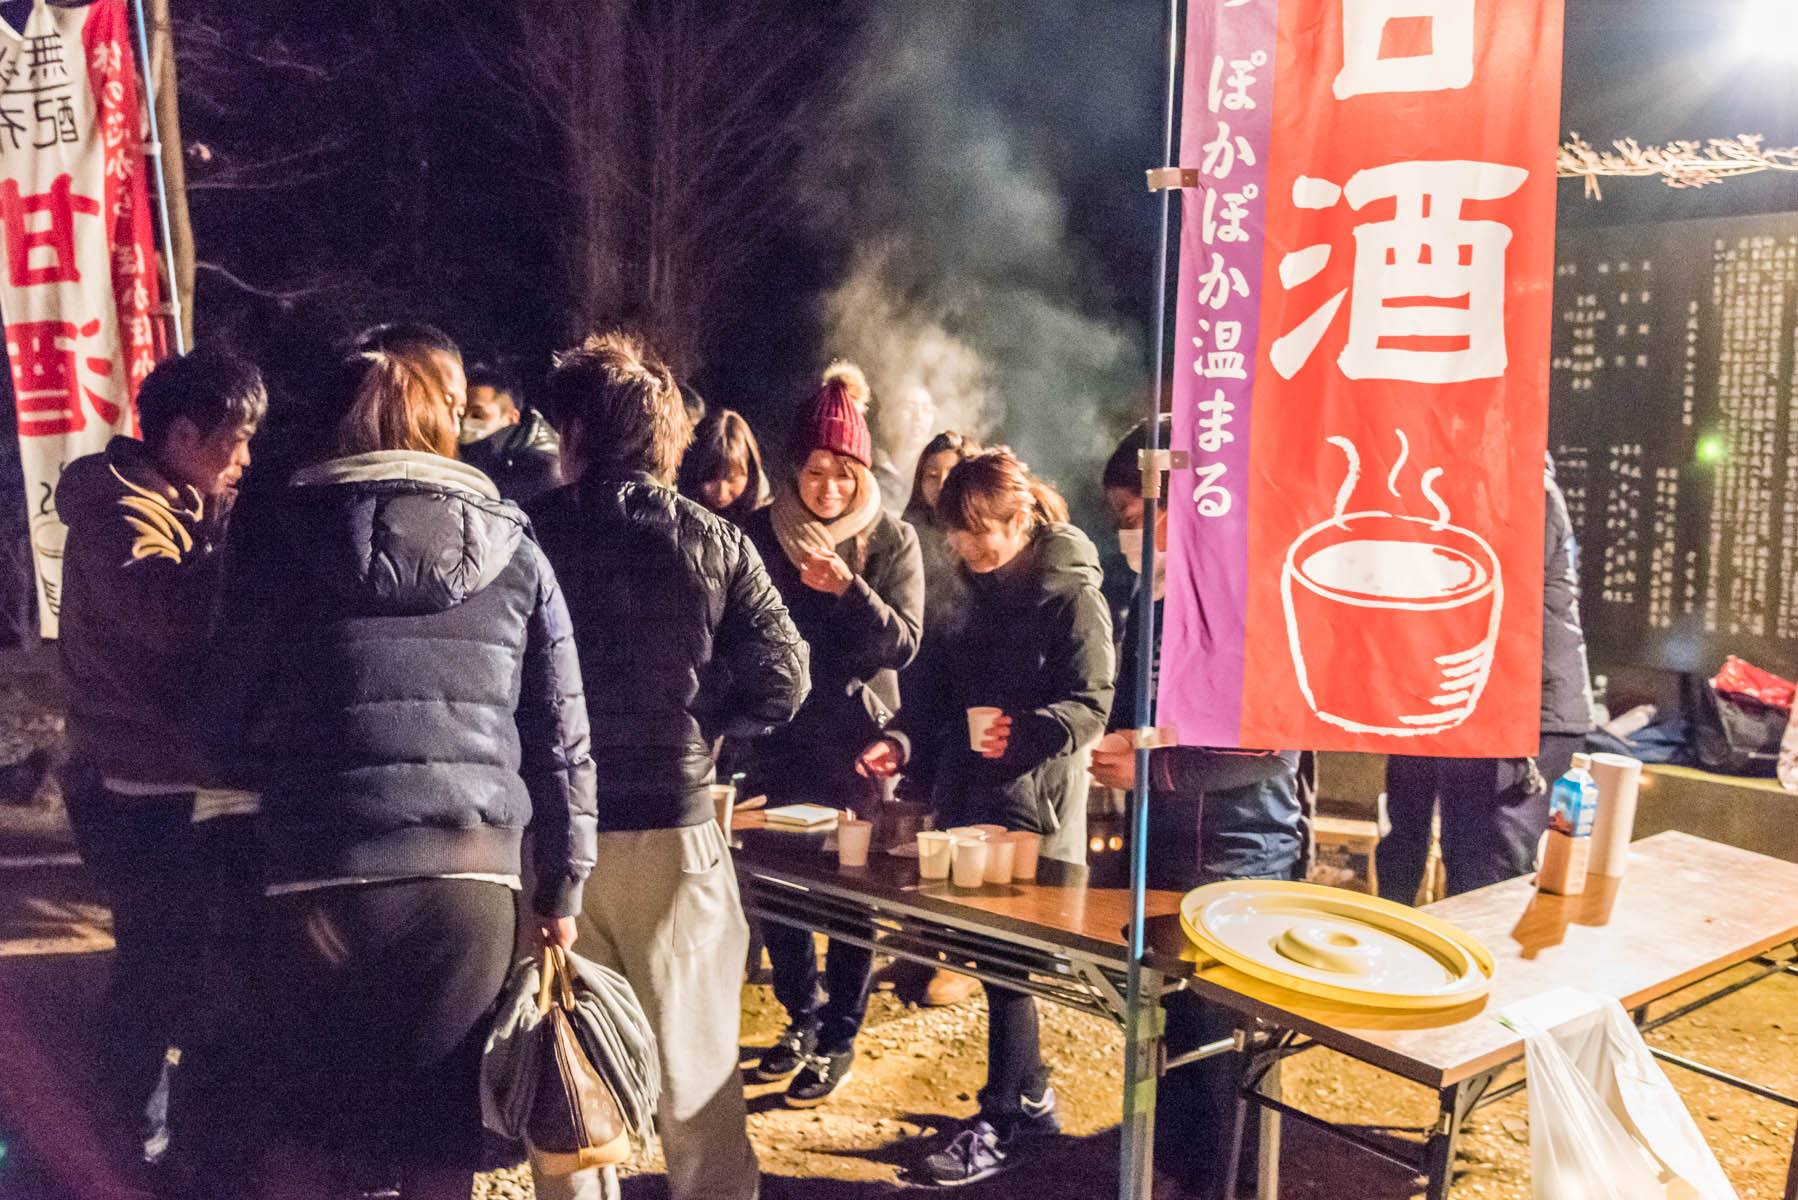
(1605, 1123)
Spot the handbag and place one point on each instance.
(575, 1121)
(1735, 734)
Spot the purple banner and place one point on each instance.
(1225, 130)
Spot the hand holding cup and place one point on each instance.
(879, 760)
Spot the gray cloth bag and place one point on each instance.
(612, 1029)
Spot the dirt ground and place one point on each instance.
(918, 1070)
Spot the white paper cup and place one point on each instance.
(1025, 848)
(1001, 852)
(980, 719)
(724, 798)
(935, 853)
(853, 837)
(1619, 780)
(970, 862)
(973, 832)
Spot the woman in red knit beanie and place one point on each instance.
(853, 580)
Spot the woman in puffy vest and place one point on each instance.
(400, 684)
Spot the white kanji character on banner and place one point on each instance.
(1366, 26)
(1225, 361)
(1426, 252)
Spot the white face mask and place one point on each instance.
(474, 431)
(1130, 542)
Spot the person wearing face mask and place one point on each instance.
(1213, 815)
(516, 448)
(853, 580)
(1034, 640)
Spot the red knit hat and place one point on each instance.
(833, 420)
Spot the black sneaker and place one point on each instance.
(1035, 1118)
(787, 1054)
(821, 1075)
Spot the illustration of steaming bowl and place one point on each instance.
(1392, 621)
(47, 538)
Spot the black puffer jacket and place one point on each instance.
(522, 459)
(1034, 640)
(681, 632)
(1566, 685)
(858, 641)
(399, 680)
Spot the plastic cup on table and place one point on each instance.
(980, 719)
(1619, 780)
(935, 853)
(724, 798)
(1025, 848)
(968, 831)
(970, 862)
(853, 837)
(1001, 852)
(993, 832)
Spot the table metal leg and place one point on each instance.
(1268, 1176)
(1144, 1028)
(1439, 1152)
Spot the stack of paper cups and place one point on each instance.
(1619, 778)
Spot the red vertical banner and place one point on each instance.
(1380, 587)
(78, 281)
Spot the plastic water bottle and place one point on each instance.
(1571, 808)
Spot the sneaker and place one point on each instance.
(787, 1054)
(1034, 1118)
(971, 1155)
(821, 1075)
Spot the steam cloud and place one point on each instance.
(975, 129)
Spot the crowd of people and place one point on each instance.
(351, 730)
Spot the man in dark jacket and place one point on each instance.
(1213, 815)
(140, 576)
(683, 639)
(1494, 810)
(514, 447)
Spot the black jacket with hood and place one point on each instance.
(1034, 639)
(523, 459)
(859, 641)
(399, 680)
(680, 631)
(1566, 684)
(140, 576)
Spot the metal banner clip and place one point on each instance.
(1172, 179)
(1153, 463)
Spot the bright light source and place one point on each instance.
(1712, 449)
(1768, 29)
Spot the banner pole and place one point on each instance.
(153, 153)
(1143, 1020)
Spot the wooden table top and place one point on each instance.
(1685, 909)
(1060, 907)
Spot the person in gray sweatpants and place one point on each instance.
(685, 640)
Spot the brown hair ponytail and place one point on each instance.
(991, 488)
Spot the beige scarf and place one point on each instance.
(802, 534)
